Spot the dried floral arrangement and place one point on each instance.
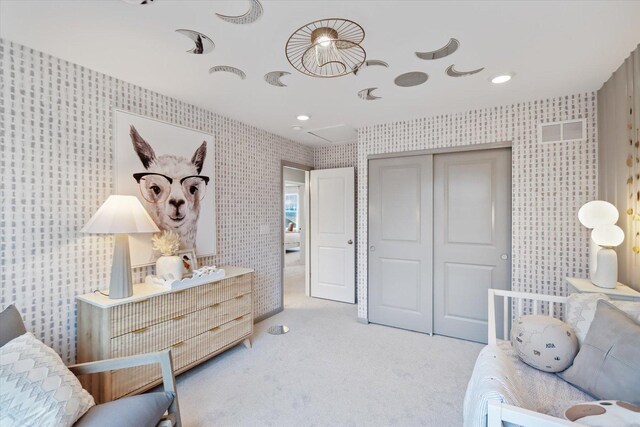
(168, 242)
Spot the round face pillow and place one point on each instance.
(546, 343)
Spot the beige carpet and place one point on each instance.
(329, 370)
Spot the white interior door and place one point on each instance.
(400, 242)
(333, 234)
(472, 238)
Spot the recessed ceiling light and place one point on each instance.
(501, 78)
(303, 117)
(297, 127)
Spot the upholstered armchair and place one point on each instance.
(154, 409)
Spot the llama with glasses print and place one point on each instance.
(172, 188)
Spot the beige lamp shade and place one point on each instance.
(607, 235)
(121, 215)
(597, 212)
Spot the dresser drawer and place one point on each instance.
(162, 335)
(141, 314)
(184, 353)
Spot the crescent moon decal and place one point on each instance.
(367, 94)
(203, 44)
(445, 50)
(226, 68)
(452, 72)
(273, 78)
(371, 63)
(252, 15)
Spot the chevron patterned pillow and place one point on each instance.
(36, 388)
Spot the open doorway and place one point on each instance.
(295, 232)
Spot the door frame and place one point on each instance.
(433, 151)
(307, 240)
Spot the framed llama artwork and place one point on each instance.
(171, 170)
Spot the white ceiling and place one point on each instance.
(555, 48)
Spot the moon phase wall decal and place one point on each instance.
(228, 69)
(445, 50)
(252, 15)
(367, 94)
(273, 78)
(452, 72)
(203, 44)
(371, 63)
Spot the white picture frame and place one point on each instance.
(177, 150)
(191, 259)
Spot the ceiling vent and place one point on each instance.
(339, 134)
(570, 130)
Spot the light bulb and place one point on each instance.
(597, 212)
(324, 41)
(501, 79)
(607, 235)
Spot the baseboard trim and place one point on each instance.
(363, 320)
(267, 315)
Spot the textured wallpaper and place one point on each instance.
(56, 170)
(550, 182)
(335, 156)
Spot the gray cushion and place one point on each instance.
(144, 410)
(608, 363)
(11, 325)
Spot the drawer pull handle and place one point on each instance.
(239, 296)
(215, 305)
(238, 318)
(141, 330)
(217, 328)
(178, 344)
(179, 317)
(141, 301)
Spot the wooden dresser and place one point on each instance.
(196, 323)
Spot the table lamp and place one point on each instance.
(607, 236)
(591, 215)
(121, 215)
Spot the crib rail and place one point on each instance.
(521, 303)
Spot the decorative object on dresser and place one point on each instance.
(168, 264)
(199, 277)
(619, 292)
(196, 323)
(601, 216)
(121, 215)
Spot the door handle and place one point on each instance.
(350, 242)
(372, 248)
(504, 256)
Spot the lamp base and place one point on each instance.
(606, 274)
(121, 285)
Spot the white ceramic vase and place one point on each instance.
(169, 266)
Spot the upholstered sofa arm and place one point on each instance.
(161, 357)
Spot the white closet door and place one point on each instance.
(472, 238)
(400, 242)
(333, 234)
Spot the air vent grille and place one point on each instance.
(570, 130)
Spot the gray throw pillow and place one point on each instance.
(608, 363)
(11, 325)
(144, 410)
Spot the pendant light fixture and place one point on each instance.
(327, 48)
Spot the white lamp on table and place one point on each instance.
(121, 215)
(602, 216)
